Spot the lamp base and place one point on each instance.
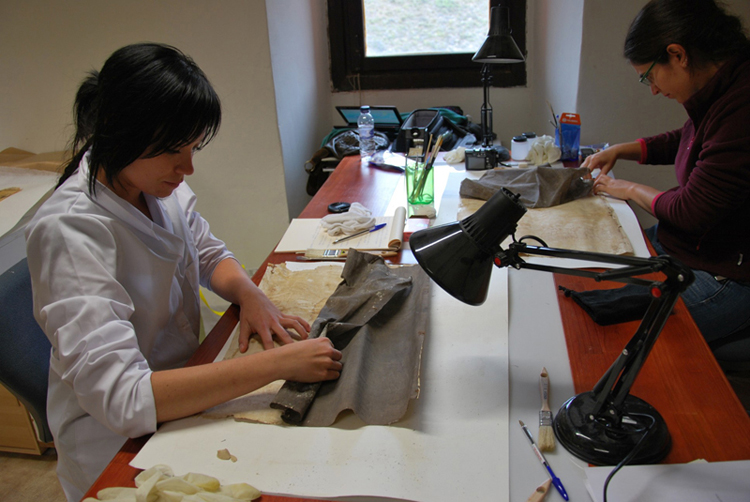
(602, 442)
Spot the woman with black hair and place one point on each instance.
(117, 255)
(692, 51)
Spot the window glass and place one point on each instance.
(416, 27)
(416, 44)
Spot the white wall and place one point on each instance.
(299, 56)
(558, 28)
(46, 46)
(268, 60)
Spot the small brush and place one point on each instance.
(546, 437)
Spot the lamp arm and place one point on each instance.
(486, 107)
(614, 386)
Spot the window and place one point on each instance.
(385, 60)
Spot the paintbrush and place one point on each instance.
(426, 153)
(546, 437)
(429, 162)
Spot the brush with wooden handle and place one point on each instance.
(540, 492)
(546, 437)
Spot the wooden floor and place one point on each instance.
(29, 478)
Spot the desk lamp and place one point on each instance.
(498, 48)
(604, 425)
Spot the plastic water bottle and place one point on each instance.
(366, 129)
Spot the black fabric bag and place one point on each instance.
(422, 124)
(318, 170)
(613, 306)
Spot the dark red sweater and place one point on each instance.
(705, 221)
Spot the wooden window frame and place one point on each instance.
(352, 71)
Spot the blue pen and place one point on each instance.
(555, 480)
(376, 227)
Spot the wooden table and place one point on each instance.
(680, 378)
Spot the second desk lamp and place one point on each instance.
(607, 424)
(498, 48)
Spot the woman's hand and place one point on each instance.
(309, 360)
(611, 186)
(182, 392)
(642, 195)
(259, 315)
(604, 161)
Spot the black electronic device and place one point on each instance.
(479, 159)
(387, 118)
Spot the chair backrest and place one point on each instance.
(24, 348)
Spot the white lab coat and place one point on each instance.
(117, 295)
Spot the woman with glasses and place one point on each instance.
(117, 254)
(692, 51)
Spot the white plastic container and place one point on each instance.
(520, 148)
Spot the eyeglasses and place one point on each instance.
(644, 78)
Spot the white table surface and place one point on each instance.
(536, 340)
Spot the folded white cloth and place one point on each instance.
(455, 156)
(544, 151)
(356, 219)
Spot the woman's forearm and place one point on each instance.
(642, 195)
(183, 392)
(231, 282)
(628, 151)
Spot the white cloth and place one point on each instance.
(544, 151)
(356, 219)
(455, 156)
(117, 295)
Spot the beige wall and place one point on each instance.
(46, 46)
(268, 60)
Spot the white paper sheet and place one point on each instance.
(307, 233)
(452, 444)
(693, 482)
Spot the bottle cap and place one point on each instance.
(364, 109)
(530, 135)
(519, 139)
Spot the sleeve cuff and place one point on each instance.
(644, 151)
(653, 203)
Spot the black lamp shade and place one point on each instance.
(459, 256)
(499, 47)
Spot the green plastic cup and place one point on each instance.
(420, 183)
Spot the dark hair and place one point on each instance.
(703, 28)
(146, 100)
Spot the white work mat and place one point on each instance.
(452, 444)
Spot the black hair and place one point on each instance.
(146, 100)
(707, 32)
